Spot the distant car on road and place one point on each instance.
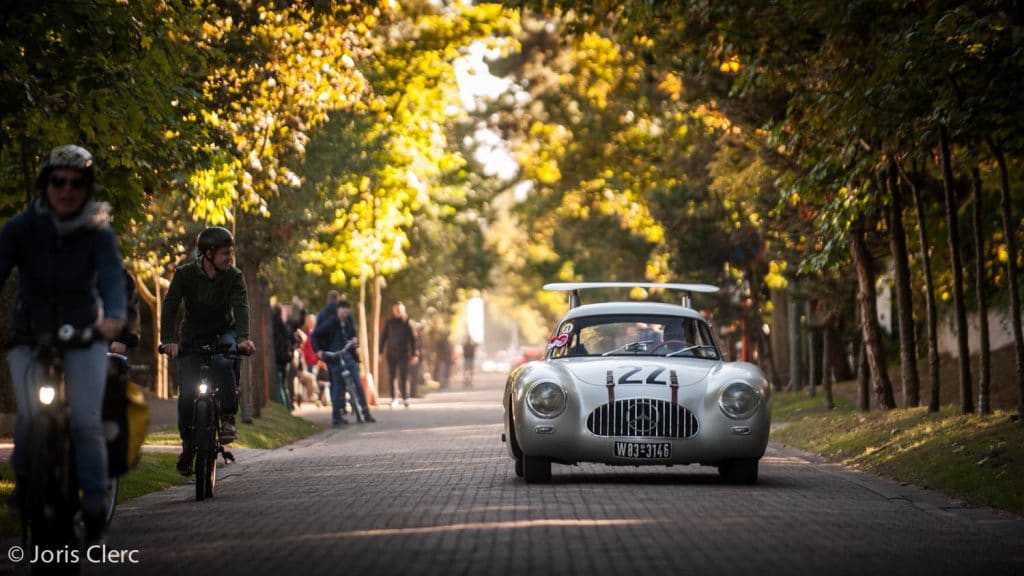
(636, 383)
(527, 354)
(495, 364)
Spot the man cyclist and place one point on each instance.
(216, 312)
(67, 258)
(333, 333)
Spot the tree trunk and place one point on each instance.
(375, 324)
(1009, 232)
(255, 374)
(985, 377)
(764, 343)
(863, 391)
(929, 284)
(905, 304)
(8, 297)
(828, 344)
(795, 350)
(956, 264)
(154, 300)
(364, 342)
(163, 389)
(875, 352)
(812, 362)
(768, 361)
(779, 338)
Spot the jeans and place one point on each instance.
(284, 385)
(85, 374)
(223, 373)
(359, 405)
(337, 391)
(353, 385)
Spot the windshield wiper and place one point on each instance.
(634, 347)
(688, 348)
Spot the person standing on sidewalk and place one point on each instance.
(402, 349)
(282, 356)
(311, 361)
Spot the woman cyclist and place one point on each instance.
(69, 273)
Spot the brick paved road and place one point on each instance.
(430, 490)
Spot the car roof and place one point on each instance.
(605, 308)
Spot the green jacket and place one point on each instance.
(212, 305)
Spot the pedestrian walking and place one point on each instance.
(468, 359)
(443, 358)
(400, 348)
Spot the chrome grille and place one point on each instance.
(642, 417)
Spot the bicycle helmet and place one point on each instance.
(67, 156)
(214, 238)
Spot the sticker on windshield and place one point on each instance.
(566, 328)
(558, 341)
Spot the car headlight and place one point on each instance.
(739, 400)
(546, 399)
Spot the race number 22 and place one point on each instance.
(634, 375)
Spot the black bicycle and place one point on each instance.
(205, 433)
(51, 499)
(346, 374)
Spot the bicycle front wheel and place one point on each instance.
(50, 503)
(113, 486)
(201, 439)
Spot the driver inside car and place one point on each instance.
(676, 338)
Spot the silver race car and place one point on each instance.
(636, 383)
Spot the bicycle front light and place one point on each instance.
(204, 387)
(47, 394)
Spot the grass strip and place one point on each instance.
(978, 460)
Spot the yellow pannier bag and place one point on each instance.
(138, 422)
(125, 421)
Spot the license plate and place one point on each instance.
(644, 450)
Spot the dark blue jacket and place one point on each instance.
(330, 334)
(66, 270)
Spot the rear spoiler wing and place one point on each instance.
(574, 289)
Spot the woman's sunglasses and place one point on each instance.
(60, 182)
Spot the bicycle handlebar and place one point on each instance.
(331, 355)
(229, 350)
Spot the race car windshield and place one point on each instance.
(620, 335)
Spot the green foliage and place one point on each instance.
(392, 164)
(110, 76)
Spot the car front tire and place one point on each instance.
(740, 471)
(536, 470)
